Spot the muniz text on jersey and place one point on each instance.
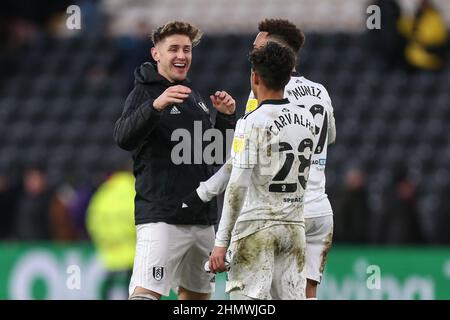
(301, 91)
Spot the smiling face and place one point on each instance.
(173, 55)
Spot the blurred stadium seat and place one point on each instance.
(71, 109)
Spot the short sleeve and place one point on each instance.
(245, 145)
(331, 120)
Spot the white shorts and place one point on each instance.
(319, 236)
(268, 264)
(170, 256)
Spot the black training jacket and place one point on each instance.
(160, 184)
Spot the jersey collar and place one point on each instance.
(274, 101)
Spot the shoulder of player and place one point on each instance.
(301, 110)
(253, 115)
(258, 118)
(316, 84)
(324, 93)
(249, 114)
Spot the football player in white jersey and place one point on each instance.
(262, 221)
(317, 209)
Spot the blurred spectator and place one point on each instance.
(135, 50)
(351, 209)
(398, 221)
(78, 207)
(62, 225)
(442, 223)
(9, 192)
(110, 222)
(32, 217)
(427, 38)
(37, 12)
(21, 20)
(387, 42)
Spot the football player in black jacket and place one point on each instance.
(173, 238)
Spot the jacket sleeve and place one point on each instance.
(225, 121)
(137, 121)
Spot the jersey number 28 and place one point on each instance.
(304, 153)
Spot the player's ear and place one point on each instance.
(255, 78)
(155, 54)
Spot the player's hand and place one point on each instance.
(172, 95)
(217, 259)
(223, 102)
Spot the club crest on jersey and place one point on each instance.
(158, 273)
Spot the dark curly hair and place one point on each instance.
(177, 27)
(283, 30)
(274, 63)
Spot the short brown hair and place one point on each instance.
(177, 27)
(274, 63)
(285, 31)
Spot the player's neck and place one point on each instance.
(270, 95)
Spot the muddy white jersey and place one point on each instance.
(277, 141)
(314, 97)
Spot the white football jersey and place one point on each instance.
(277, 140)
(314, 97)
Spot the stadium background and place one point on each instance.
(61, 91)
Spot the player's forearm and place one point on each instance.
(234, 201)
(331, 129)
(216, 184)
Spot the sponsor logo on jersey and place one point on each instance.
(320, 162)
(158, 273)
(174, 110)
(238, 143)
(292, 200)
